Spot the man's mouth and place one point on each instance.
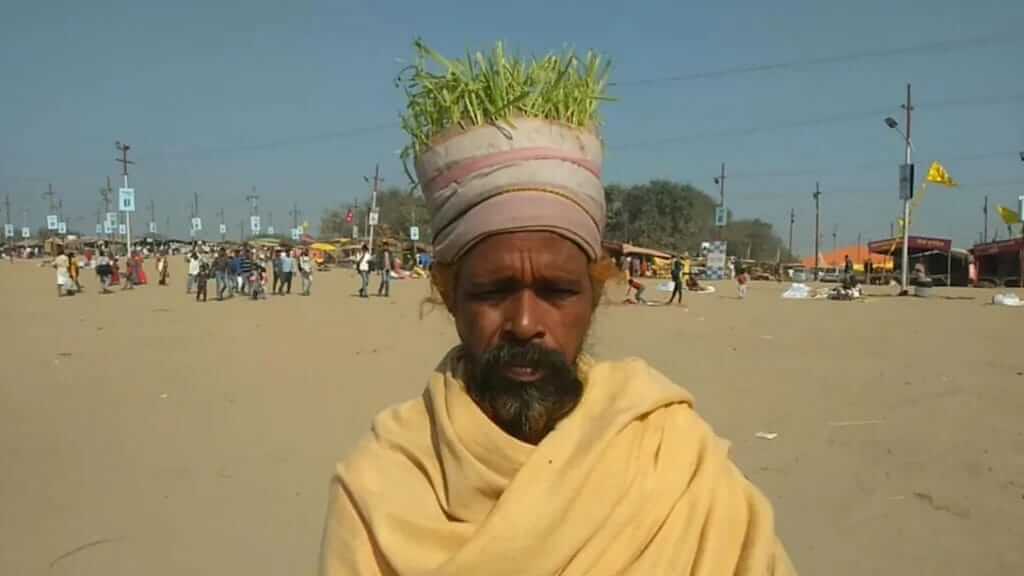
(522, 373)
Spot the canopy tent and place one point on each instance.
(859, 253)
(952, 269)
(999, 263)
(624, 249)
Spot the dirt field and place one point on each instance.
(143, 433)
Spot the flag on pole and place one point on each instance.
(938, 175)
(348, 216)
(1009, 216)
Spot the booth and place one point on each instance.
(999, 263)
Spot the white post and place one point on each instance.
(373, 205)
(128, 219)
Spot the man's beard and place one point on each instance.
(525, 410)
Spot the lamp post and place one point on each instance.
(906, 189)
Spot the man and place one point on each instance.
(220, 272)
(193, 271)
(363, 267)
(385, 273)
(306, 271)
(235, 272)
(287, 268)
(524, 455)
(276, 271)
(245, 266)
(677, 280)
(60, 264)
(847, 266)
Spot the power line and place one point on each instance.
(941, 46)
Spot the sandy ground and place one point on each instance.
(143, 433)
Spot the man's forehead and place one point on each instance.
(543, 252)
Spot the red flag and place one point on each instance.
(348, 216)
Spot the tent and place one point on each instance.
(859, 253)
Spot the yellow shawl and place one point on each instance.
(631, 482)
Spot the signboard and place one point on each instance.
(25, 232)
(108, 228)
(62, 227)
(414, 233)
(296, 234)
(223, 228)
(716, 261)
(126, 200)
(374, 217)
(906, 181)
(152, 227)
(916, 244)
(51, 222)
(122, 229)
(270, 229)
(99, 228)
(254, 224)
(355, 232)
(721, 216)
(197, 224)
(8, 230)
(112, 218)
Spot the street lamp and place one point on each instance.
(906, 190)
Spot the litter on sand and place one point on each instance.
(767, 435)
(1008, 299)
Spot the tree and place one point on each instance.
(399, 209)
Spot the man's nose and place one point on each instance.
(522, 318)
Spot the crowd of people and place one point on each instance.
(246, 271)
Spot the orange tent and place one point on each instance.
(836, 258)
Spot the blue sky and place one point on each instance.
(297, 99)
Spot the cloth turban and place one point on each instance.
(519, 175)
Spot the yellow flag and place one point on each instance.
(938, 175)
(1008, 216)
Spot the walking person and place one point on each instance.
(306, 271)
(161, 269)
(277, 275)
(235, 273)
(104, 272)
(385, 273)
(245, 266)
(128, 283)
(287, 269)
(220, 272)
(60, 264)
(73, 273)
(363, 266)
(201, 280)
(677, 280)
(742, 278)
(193, 271)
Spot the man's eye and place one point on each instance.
(559, 292)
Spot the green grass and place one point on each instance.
(485, 88)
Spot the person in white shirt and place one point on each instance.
(306, 272)
(60, 263)
(193, 271)
(363, 266)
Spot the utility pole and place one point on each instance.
(124, 148)
(835, 236)
(905, 272)
(152, 216)
(253, 199)
(223, 230)
(295, 215)
(984, 212)
(241, 230)
(817, 225)
(107, 194)
(792, 221)
(373, 215)
(7, 212)
(51, 202)
(720, 180)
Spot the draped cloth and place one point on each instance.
(631, 482)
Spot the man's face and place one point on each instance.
(523, 304)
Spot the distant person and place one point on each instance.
(385, 273)
(128, 283)
(742, 278)
(162, 271)
(287, 268)
(201, 280)
(104, 272)
(235, 272)
(306, 272)
(220, 273)
(257, 281)
(276, 273)
(193, 271)
(677, 280)
(60, 264)
(848, 266)
(73, 273)
(245, 267)
(363, 267)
